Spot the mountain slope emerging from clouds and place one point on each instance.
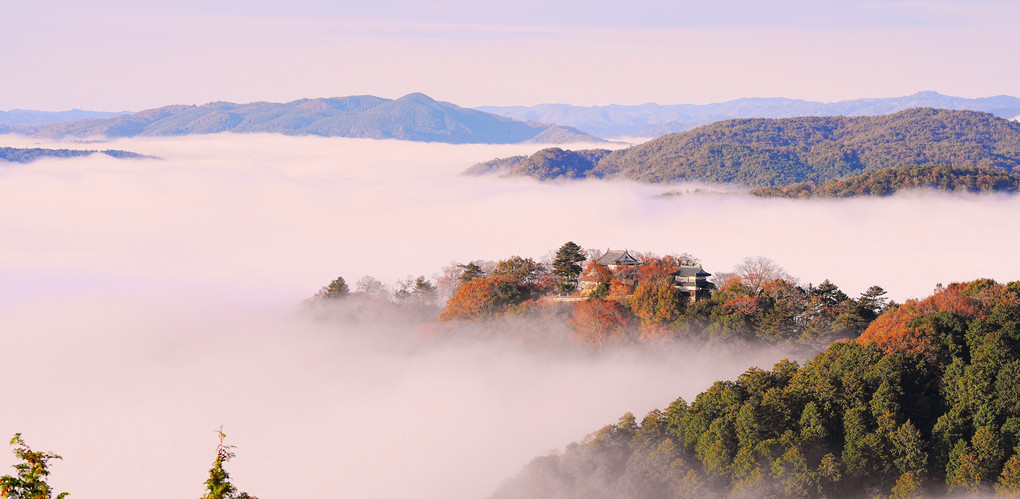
(414, 117)
(652, 120)
(775, 152)
(972, 179)
(28, 155)
(923, 404)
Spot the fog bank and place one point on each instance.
(144, 303)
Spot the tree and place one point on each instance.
(757, 271)
(218, 485)
(471, 272)
(32, 472)
(424, 291)
(370, 286)
(566, 266)
(602, 276)
(594, 321)
(448, 280)
(473, 300)
(522, 270)
(336, 289)
(873, 300)
(656, 302)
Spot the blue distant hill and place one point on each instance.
(26, 117)
(414, 117)
(653, 120)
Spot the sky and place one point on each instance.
(145, 303)
(117, 55)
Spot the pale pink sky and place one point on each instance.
(119, 55)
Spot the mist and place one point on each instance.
(146, 302)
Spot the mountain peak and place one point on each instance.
(417, 97)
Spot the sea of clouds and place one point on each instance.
(143, 303)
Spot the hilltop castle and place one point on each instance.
(691, 280)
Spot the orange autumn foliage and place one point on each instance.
(903, 330)
(597, 272)
(891, 331)
(472, 301)
(618, 288)
(741, 304)
(659, 267)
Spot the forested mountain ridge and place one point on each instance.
(27, 155)
(781, 151)
(973, 179)
(925, 402)
(652, 120)
(414, 117)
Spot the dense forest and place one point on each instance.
(777, 152)
(27, 155)
(974, 179)
(924, 402)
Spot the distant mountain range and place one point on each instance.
(764, 152)
(25, 117)
(414, 117)
(653, 120)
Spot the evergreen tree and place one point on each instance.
(336, 289)
(218, 485)
(424, 291)
(471, 272)
(566, 266)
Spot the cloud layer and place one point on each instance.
(147, 302)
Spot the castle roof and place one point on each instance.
(691, 271)
(617, 257)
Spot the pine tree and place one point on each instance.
(566, 266)
(471, 272)
(336, 289)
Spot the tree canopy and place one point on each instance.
(925, 402)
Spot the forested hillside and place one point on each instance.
(778, 152)
(975, 179)
(925, 402)
(27, 155)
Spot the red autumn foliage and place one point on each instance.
(595, 321)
